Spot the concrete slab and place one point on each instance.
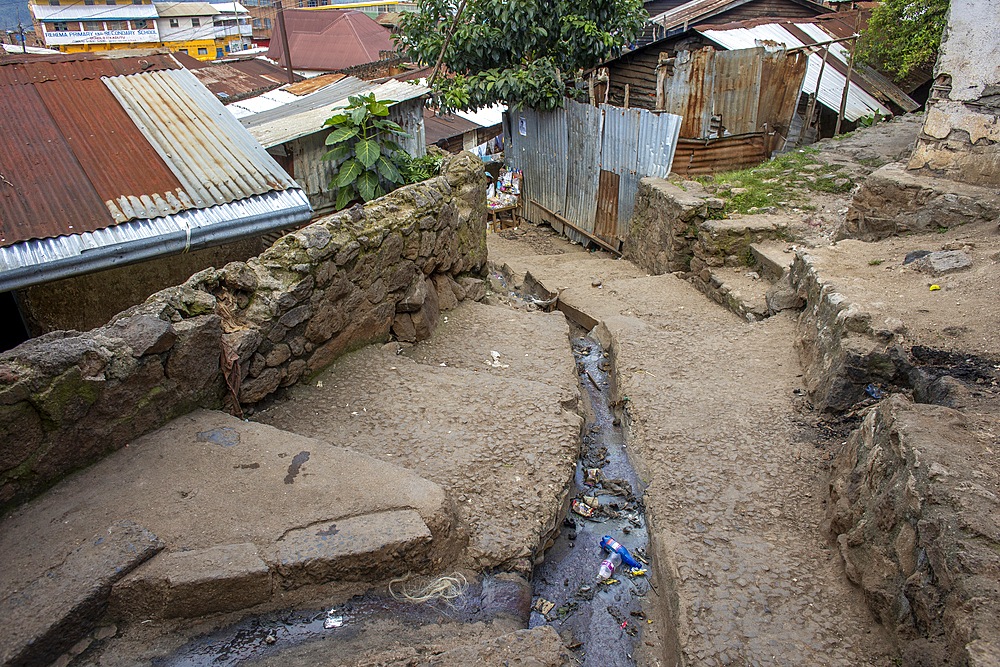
(773, 258)
(498, 437)
(221, 493)
(43, 616)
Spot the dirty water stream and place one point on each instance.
(600, 622)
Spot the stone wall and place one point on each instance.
(952, 174)
(672, 231)
(914, 512)
(349, 279)
(961, 134)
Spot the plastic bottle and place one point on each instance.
(608, 566)
(611, 546)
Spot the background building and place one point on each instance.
(202, 30)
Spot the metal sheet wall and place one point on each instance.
(585, 123)
(563, 152)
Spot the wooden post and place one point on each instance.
(661, 75)
(284, 41)
(847, 87)
(626, 94)
(811, 107)
(590, 87)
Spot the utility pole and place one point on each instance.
(284, 41)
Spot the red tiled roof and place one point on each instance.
(330, 39)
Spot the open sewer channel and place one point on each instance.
(600, 622)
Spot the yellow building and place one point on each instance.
(202, 30)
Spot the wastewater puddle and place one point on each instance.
(600, 622)
(302, 637)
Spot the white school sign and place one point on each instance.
(102, 36)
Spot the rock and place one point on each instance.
(783, 295)
(425, 320)
(715, 204)
(244, 343)
(943, 262)
(841, 182)
(736, 192)
(475, 288)
(914, 255)
(146, 334)
(194, 360)
(256, 389)
(402, 327)
(415, 296)
(239, 276)
(445, 294)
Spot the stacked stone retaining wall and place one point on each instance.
(68, 398)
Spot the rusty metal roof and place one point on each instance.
(238, 79)
(437, 127)
(330, 39)
(690, 13)
(89, 144)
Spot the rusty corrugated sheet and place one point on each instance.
(40, 197)
(700, 157)
(780, 83)
(736, 90)
(312, 84)
(131, 179)
(79, 67)
(687, 91)
(183, 122)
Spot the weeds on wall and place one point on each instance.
(783, 183)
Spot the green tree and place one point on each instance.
(903, 35)
(363, 141)
(519, 52)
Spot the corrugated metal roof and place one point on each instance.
(306, 116)
(92, 12)
(166, 9)
(330, 39)
(314, 83)
(43, 260)
(859, 101)
(184, 122)
(690, 13)
(439, 127)
(76, 160)
(291, 105)
(235, 79)
(261, 103)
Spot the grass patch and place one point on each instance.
(768, 184)
(874, 262)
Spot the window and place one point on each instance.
(136, 2)
(88, 2)
(202, 51)
(174, 23)
(196, 23)
(93, 26)
(140, 24)
(227, 48)
(184, 51)
(117, 25)
(267, 24)
(219, 53)
(59, 26)
(110, 2)
(256, 23)
(54, 3)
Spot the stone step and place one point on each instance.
(230, 498)
(773, 259)
(46, 615)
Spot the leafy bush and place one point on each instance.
(364, 144)
(416, 169)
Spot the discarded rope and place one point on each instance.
(445, 588)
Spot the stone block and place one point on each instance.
(445, 294)
(327, 321)
(425, 320)
(146, 334)
(187, 584)
(239, 276)
(194, 360)
(243, 342)
(414, 298)
(943, 262)
(370, 546)
(49, 615)
(402, 327)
